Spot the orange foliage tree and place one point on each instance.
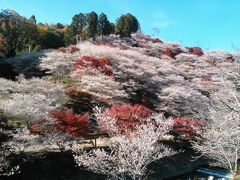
(2, 48)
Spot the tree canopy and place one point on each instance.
(19, 34)
(92, 20)
(104, 26)
(126, 25)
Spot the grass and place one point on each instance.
(66, 81)
(13, 121)
(5, 97)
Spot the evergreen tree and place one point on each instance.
(32, 19)
(28, 38)
(69, 36)
(126, 25)
(92, 20)
(112, 28)
(59, 26)
(134, 24)
(79, 22)
(104, 26)
(52, 39)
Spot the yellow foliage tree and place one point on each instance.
(42, 30)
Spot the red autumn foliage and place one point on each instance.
(186, 127)
(73, 49)
(127, 116)
(37, 127)
(123, 47)
(104, 61)
(85, 62)
(109, 44)
(206, 79)
(158, 41)
(168, 52)
(71, 89)
(2, 42)
(97, 43)
(212, 62)
(195, 50)
(101, 64)
(62, 50)
(143, 99)
(75, 125)
(175, 45)
(190, 65)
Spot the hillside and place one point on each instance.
(168, 77)
(114, 85)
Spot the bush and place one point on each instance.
(37, 48)
(183, 126)
(125, 117)
(102, 64)
(75, 125)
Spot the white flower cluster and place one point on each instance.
(174, 81)
(100, 85)
(130, 154)
(59, 64)
(30, 100)
(29, 107)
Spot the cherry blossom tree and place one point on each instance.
(130, 154)
(221, 138)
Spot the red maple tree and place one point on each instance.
(212, 62)
(186, 127)
(206, 79)
(75, 125)
(87, 61)
(127, 116)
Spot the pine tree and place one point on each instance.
(79, 22)
(32, 19)
(126, 25)
(104, 26)
(92, 21)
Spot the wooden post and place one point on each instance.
(77, 38)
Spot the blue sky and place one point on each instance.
(210, 24)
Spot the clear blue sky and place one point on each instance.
(210, 24)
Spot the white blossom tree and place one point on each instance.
(130, 153)
(221, 138)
